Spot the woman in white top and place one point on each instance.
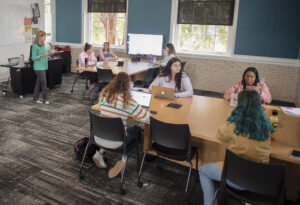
(172, 76)
(170, 53)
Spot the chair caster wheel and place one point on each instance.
(81, 176)
(140, 184)
(122, 192)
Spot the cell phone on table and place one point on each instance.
(295, 154)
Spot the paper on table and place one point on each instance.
(100, 64)
(291, 111)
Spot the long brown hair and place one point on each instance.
(38, 39)
(168, 72)
(119, 86)
(107, 48)
(171, 49)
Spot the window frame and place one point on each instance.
(53, 19)
(174, 34)
(88, 33)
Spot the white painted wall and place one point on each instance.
(16, 49)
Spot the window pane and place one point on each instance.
(47, 1)
(221, 44)
(96, 15)
(120, 39)
(186, 28)
(109, 27)
(198, 29)
(209, 43)
(48, 22)
(210, 30)
(120, 25)
(185, 42)
(202, 38)
(221, 30)
(197, 42)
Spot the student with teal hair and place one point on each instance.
(246, 133)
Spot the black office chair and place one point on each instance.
(80, 77)
(264, 182)
(111, 129)
(150, 75)
(104, 76)
(183, 64)
(172, 141)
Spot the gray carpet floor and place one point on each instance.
(37, 163)
(38, 166)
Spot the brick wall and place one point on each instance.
(219, 75)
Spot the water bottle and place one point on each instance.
(86, 60)
(154, 60)
(274, 122)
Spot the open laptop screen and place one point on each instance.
(141, 98)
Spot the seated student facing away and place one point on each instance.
(115, 101)
(173, 77)
(250, 81)
(106, 53)
(246, 133)
(170, 53)
(88, 53)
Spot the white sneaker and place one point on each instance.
(98, 160)
(39, 102)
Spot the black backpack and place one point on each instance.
(92, 93)
(80, 146)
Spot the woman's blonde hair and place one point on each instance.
(38, 37)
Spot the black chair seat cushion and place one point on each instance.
(176, 154)
(139, 83)
(248, 196)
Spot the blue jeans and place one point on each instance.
(208, 173)
(131, 135)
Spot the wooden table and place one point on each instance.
(132, 68)
(205, 115)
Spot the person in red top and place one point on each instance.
(250, 81)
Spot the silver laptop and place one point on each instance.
(163, 92)
(144, 99)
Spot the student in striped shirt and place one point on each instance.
(115, 101)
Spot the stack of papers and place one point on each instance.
(291, 111)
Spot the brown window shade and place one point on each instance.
(205, 12)
(107, 6)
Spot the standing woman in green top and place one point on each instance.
(40, 66)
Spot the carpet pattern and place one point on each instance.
(37, 163)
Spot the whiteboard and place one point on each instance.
(12, 38)
(144, 44)
(12, 15)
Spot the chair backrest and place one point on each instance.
(107, 128)
(173, 136)
(149, 77)
(183, 65)
(104, 75)
(77, 63)
(260, 178)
